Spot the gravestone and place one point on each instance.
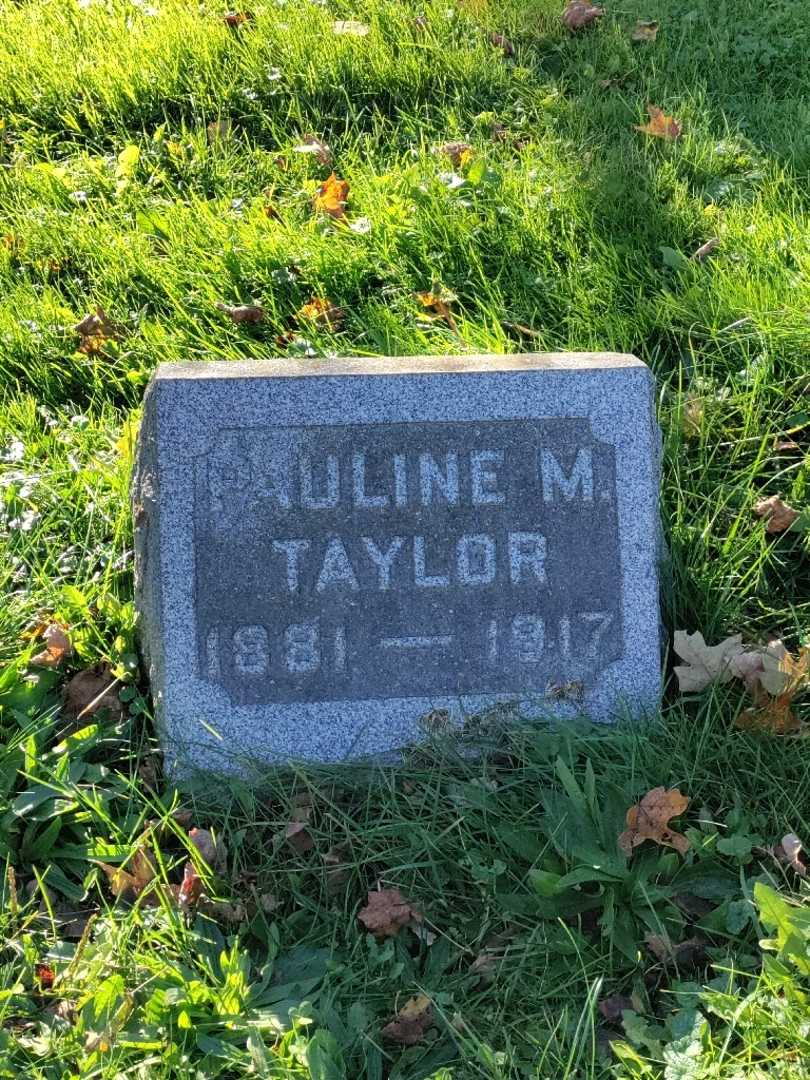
(332, 554)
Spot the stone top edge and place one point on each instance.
(491, 363)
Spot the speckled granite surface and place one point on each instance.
(333, 555)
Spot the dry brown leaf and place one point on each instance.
(612, 1007)
(212, 850)
(96, 330)
(685, 955)
(660, 125)
(130, 881)
(350, 27)
(502, 42)
(705, 664)
(322, 312)
(790, 852)
(191, 887)
(773, 715)
(57, 646)
(782, 672)
(337, 869)
(218, 130)
(92, 690)
(440, 306)
(649, 820)
(235, 19)
(297, 836)
(693, 415)
(331, 197)
(645, 30)
(411, 1022)
(460, 153)
(387, 912)
(578, 14)
(706, 249)
(778, 515)
(243, 313)
(311, 144)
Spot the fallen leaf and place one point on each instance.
(331, 197)
(387, 912)
(235, 19)
(693, 414)
(460, 153)
(191, 888)
(771, 715)
(649, 820)
(502, 42)
(311, 144)
(96, 330)
(351, 27)
(243, 313)
(685, 955)
(706, 249)
(322, 312)
(44, 975)
(92, 690)
(790, 852)
(782, 672)
(336, 861)
(411, 1022)
(57, 646)
(212, 850)
(660, 125)
(789, 446)
(612, 1007)
(297, 836)
(440, 306)
(705, 664)
(579, 14)
(218, 130)
(778, 515)
(645, 30)
(129, 882)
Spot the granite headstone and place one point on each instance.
(331, 553)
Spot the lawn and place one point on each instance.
(163, 167)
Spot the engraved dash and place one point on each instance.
(415, 642)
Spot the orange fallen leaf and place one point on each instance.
(96, 330)
(645, 30)
(322, 312)
(387, 912)
(57, 646)
(411, 1022)
(660, 125)
(45, 975)
(243, 313)
(778, 515)
(649, 820)
(774, 716)
(579, 14)
(331, 197)
(440, 306)
(460, 153)
(235, 19)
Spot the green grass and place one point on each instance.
(574, 226)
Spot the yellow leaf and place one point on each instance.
(331, 197)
